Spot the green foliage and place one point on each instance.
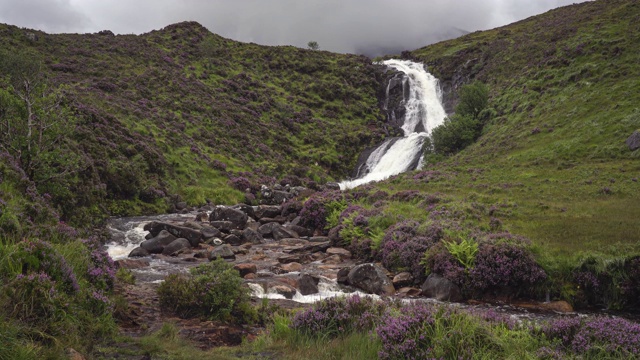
(313, 45)
(465, 126)
(214, 291)
(333, 209)
(462, 247)
(351, 231)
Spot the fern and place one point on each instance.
(464, 251)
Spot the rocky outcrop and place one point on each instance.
(176, 247)
(236, 217)
(633, 142)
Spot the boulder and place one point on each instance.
(156, 244)
(332, 186)
(139, 252)
(311, 248)
(371, 278)
(267, 229)
(300, 230)
(224, 213)
(223, 251)
(267, 211)
(291, 208)
(246, 268)
(343, 276)
(334, 236)
(280, 197)
(176, 246)
(252, 236)
(342, 253)
(284, 290)
(132, 263)
(308, 284)
(247, 209)
(194, 236)
(225, 226)
(440, 288)
(202, 217)
(319, 239)
(193, 225)
(299, 258)
(292, 266)
(278, 219)
(408, 292)
(333, 260)
(232, 240)
(209, 232)
(403, 279)
(633, 142)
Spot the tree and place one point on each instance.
(465, 126)
(313, 45)
(33, 119)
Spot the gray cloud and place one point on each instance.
(372, 26)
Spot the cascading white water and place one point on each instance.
(423, 112)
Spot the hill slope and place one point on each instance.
(181, 111)
(553, 163)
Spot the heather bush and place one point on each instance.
(317, 208)
(213, 291)
(403, 247)
(595, 337)
(339, 316)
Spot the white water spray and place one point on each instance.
(423, 112)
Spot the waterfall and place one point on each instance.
(423, 112)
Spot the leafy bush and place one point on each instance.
(213, 291)
(465, 126)
(464, 250)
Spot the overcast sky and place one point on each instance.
(359, 26)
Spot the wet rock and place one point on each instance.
(267, 229)
(299, 258)
(209, 232)
(442, 289)
(291, 267)
(251, 276)
(300, 230)
(225, 226)
(284, 290)
(408, 292)
(252, 236)
(332, 260)
(278, 219)
(176, 247)
(403, 279)
(280, 233)
(139, 252)
(308, 284)
(202, 217)
(633, 142)
(132, 263)
(201, 255)
(223, 251)
(232, 240)
(193, 225)
(293, 242)
(194, 236)
(332, 186)
(311, 248)
(247, 209)
(267, 211)
(319, 239)
(334, 236)
(235, 216)
(157, 244)
(371, 278)
(342, 253)
(246, 268)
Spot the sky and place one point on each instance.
(371, 27)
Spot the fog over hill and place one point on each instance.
(373, 27)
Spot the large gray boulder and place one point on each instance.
(176, 247)
(267, 211)
(194, 236)
(372, 279)
(156, 244)
(223, 251)
(247, 209)
(252, 236)
(281, 232)
(308, 284)
(267, 229)
(440, 288)
(224, 213)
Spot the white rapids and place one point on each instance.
(423, 112)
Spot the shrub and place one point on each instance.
(339, 316)
(213, 291)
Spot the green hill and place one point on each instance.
(181, 111)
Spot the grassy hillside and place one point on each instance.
(181, 111)
(553, 164)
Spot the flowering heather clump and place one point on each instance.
(240, 183)
(504, 264)
(66, 231)
(34, 298)
(440, 261)
(102, 269)
(314, 211)
(404, 336)
(338, 316)
(39, 256)
(596, 336)
(402, 248)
